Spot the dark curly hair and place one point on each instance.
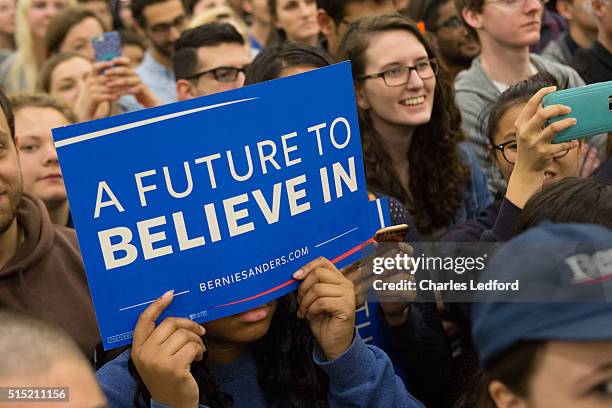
(286, 372)
(438, 177)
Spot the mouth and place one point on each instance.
(469, 44)
(309, 23)
(414, 101)
(254, 315)
(532, 24)
(52, 177)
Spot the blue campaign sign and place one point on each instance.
(219, 198)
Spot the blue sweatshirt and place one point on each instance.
(361, 377)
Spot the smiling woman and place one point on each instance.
(410, 125)
(35, 116)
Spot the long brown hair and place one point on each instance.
(438, 177)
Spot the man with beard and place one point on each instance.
(162, 21)
(41, 270)
(456, 46)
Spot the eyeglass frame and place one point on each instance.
(164, 28)
(447, 24)
(433, 62)
(502, 148)
(213, 71)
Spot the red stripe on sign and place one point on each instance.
(352, 251)
(289, 282)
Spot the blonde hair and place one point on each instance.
(24, 67)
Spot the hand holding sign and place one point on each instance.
(163, 355)
(327, 299)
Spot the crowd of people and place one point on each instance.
(449, 97)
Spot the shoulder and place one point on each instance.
(554, 50)
(7, 63)
(67, 238)
(474, 89)
(116, 381)
(467, 156)
(562, 72)
(472, 78)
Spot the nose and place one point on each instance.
(414, 80)
(175, 33)
(52, 10)
(532, 6)
(240, 79)
(50, 155)
(305, 9)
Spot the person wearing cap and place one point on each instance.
(551, 344)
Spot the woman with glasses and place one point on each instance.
(410, 126)
(520, 146)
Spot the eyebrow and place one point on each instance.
(511, 134)
(586, 380)
(390, 64)
(28, 136)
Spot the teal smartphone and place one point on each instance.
(591, 106)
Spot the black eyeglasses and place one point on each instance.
(452, 23)
(399, 76)
(510, 151)
(221, 74)
(164, 28)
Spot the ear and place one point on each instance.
(362, 99)
(472, 18)
(184, 90)
(599, 8)
(247, 6)
(565, 9)
(326, 23)
(503, 397)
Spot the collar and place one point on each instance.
(151, 64)
(571, 44)
(602, 53)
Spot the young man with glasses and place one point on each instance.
(210, 58)
(505, 29)
(334, 17)
(162, 21)
(456, 46)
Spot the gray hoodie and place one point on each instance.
(475, 92)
